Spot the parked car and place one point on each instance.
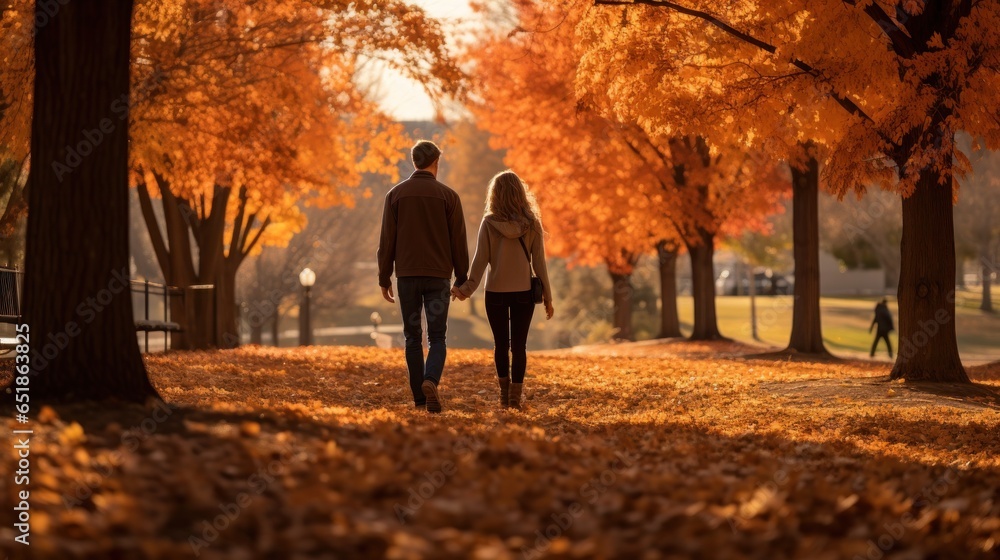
(765, 283)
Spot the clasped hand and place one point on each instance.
(457, 294)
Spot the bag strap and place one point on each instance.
(525, 248)
(527, 255)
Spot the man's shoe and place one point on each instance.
(431, 392)
(514, 397)
(504, 391)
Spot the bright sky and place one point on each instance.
(403, 98)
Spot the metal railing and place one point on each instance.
(147, 324)
(12, 291)
(11, 288)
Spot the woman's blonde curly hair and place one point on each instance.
(509, 199)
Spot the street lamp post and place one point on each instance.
(307, 278)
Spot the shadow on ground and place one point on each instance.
(316, 453)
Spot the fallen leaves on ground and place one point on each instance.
(670, 453)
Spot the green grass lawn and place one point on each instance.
(845, 323)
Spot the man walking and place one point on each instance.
(883, 319)
(423, 237)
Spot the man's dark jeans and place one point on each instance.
(433, 296)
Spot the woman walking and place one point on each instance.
(510, 242)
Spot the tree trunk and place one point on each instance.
(623, 306)
(670, 325)
(752, 288)
(77, 299)
(928, 347)
(275, 326)
(200, 323)
(986, 260)
(174, 272)
(807, 329)
(706, 325)
(227, 322)
(198, 312)
(256, 333)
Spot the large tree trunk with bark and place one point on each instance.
(622, 286)
(706, 325)
(670, 325)
(928, 347)
(77, 298)
(807, 330)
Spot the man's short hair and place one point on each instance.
(424, 154)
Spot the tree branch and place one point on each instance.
(847, 104)
(256, 238)
(901, 42)
(153, 228)
(236, 240)
(245, 234)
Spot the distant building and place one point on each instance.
(837, 280)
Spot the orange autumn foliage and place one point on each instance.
(609, 184)
(585, 180)
(884, 86)
(262, 99)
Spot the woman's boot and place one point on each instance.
(514, 399)
(504, 390)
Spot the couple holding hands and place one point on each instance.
(424, 240)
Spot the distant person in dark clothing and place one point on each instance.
(883, 319)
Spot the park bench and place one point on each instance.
(11, 282)
(147, 325)
(11, 294)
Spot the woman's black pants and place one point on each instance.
(510, 314)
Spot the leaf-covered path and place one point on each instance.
(625, 452)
